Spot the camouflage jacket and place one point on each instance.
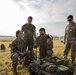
(42, 40)
(49, 44)
(70, 33)
(18, 46)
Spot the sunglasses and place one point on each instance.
(69, 19)
(41, 34)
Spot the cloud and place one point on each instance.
(55, 28)
(50, 14)
(49, 10)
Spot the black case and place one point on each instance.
(35, 71)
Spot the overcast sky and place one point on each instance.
(50, 14)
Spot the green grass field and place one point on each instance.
(5, 61)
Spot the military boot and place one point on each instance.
(65, 56)
(15, 71)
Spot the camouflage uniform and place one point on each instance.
(29, 31)
(70, 38)
(17, 47)
(41, 42)
(49, 47)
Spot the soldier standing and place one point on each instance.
(70, 38)
(29, 35)
(17, 49)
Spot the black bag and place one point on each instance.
(35, 71)
(45, 65)
(40, 70)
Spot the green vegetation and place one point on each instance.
(6, 40)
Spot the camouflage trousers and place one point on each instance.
(68, 47)
(29, 46)
(14, 57)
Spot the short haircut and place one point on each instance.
(30, 17)
(70, 16)
(42, 29)
(17, 32)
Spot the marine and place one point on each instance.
(17, 50)
(29, 35)
(70, 38)
(43, 44)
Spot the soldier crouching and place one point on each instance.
(17, 50)
(45, 43)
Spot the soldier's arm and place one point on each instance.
(34, 34)
(49, 43)
(22, 28)
(51, 40)
(24, 48)
(13, 47)
(75, 34)
(75, 31)
(65, 36)
(52, 43)
(36, 43)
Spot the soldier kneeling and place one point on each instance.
(45, 43)
(17, 50)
